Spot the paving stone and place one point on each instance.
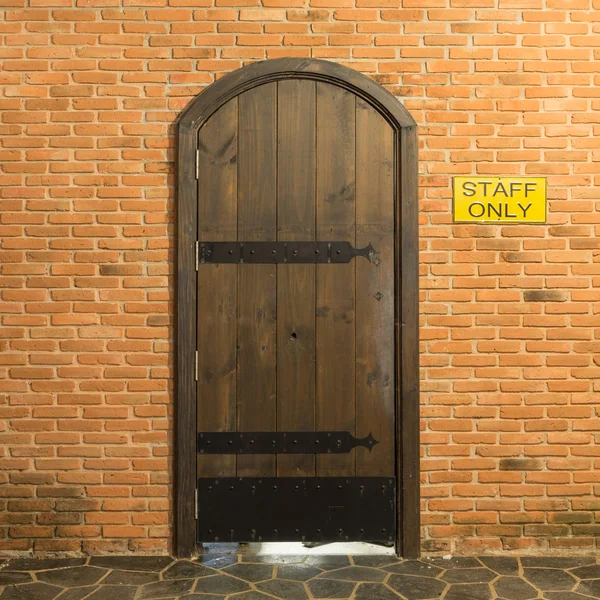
(216, 561)
(297, 572)
(355, 574)
(274, 559)
(185, 569)
(201, 597)
(374, 591)
(72, 576)
(504, 565)
(556, 562)
(11, 578)
(565, 596)
(40, 564)
(250, 572)
(77, 593)
(31, 591)
(469, 591)
(550, 579)
(468, 575)
(329, 588)
(166, 589)
(455, 562)
(417, 588)
(132, 563)
(367, 560)
(328, 562)
(220, 584)
(113, 592)
(414, 567)
(288, 590)
(130, 578)
(591, 572)
(458, 578)
(253, 595)
(514, 588)
(591, 587)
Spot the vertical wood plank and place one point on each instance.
(185, 534)
(257, 291)
(375, 347)
(217, 221)
(408, 431)
(296, 283)
(335, 306)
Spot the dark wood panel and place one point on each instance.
(296, 283)
(217, 289)
(257, 291)
(335, 307)
(408, 430)
(185, 438)
(375, 348)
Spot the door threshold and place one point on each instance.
(296, 551)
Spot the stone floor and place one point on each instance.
(243, 577)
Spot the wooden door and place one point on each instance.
(290, 347)
(297, 356)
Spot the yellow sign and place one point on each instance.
(499, 199)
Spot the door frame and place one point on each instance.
(407, 284)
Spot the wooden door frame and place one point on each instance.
(407, 283)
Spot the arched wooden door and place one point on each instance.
(295, 184)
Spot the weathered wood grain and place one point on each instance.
(257, 286)
(296, 283)
(217, 289)
(335, 283)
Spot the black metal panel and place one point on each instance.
(281, 252)
(282, 442)
(306, 509)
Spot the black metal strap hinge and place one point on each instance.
(280, 252)
(282, 442)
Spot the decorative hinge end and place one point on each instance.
(369, 442)
(197, 164)
(368, 252)
(197, 254)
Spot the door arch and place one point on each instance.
(402, 161)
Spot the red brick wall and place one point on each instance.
(89, 90)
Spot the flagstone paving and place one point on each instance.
(247, 577)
